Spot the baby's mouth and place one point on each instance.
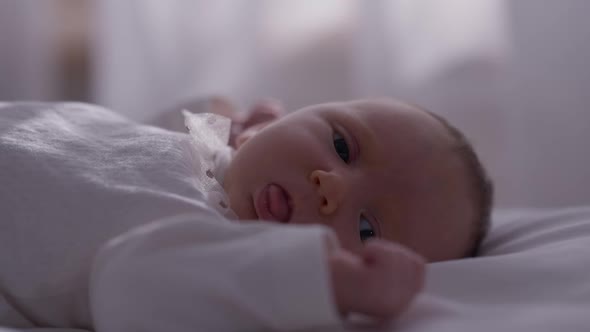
(273, 203)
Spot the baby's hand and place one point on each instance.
(245, 124)
(381, 282)
(258, 116)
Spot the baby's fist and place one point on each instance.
(381, 282)
(393, 276)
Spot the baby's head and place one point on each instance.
(368, 168)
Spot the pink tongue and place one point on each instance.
(277, 203)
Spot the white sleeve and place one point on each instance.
(190, 274)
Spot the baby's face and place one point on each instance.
(365, 168)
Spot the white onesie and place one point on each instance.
(74, 176)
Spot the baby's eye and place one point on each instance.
(341, 147)
(366, 230)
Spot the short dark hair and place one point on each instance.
(481, 184)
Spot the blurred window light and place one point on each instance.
(431, 35)
(291, 25)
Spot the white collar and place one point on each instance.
(211, 156)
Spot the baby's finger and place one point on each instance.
(222, 106)
(263, 111)
(408, 267)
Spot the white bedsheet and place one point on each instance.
(534, 276)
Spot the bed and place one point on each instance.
(533, 275)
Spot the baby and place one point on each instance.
(368, 169)
(388, 185)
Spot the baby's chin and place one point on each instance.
(243, 217)
(245, 213)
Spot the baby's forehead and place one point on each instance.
(398, 136)
(398, 115)
(401, 128)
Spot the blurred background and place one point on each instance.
(513, 75)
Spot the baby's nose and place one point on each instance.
(330, 189)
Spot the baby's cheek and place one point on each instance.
(348, 239)
(344, 228)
